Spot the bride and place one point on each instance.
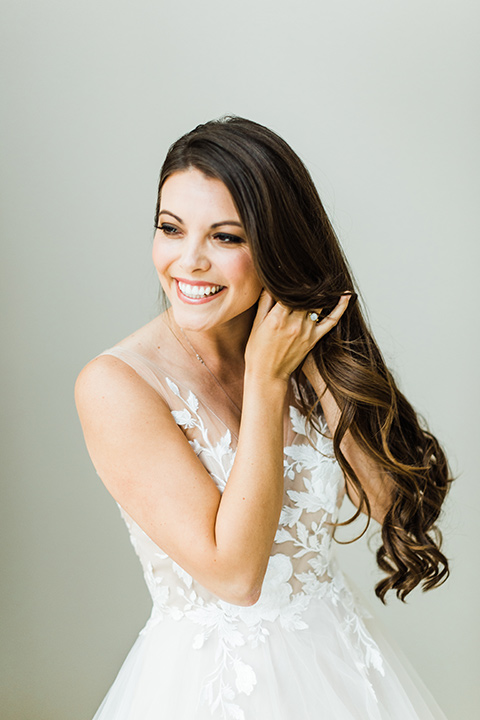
(229, 429)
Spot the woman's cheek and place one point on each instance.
(243, 270)
(160, 256)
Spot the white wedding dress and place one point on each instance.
(305, 650)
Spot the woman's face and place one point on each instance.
(201, 254)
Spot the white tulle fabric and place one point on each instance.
(304, 651)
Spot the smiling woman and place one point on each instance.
(191, 255)
(229, 430)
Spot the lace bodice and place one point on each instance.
(301, 566)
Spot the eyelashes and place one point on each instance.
(167, 229)
(225, 238)
(233, 239)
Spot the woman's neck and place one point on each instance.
(222, 347)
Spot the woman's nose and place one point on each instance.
(194, 255)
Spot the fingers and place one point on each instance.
(332, 319)
(317, 330)
(265, 304)
(282, 336)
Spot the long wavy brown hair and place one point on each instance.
(300, 262)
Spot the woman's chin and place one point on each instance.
(200, 318)
(185, 318)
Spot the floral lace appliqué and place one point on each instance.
(303, 536)
(222, 453)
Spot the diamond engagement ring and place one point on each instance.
(315, 317)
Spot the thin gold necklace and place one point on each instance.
(211, 373)
(205, 365)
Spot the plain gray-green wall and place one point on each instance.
(380, 99)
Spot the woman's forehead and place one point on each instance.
(191, 192)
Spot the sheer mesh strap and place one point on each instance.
(142, 366)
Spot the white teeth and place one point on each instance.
(197, 291)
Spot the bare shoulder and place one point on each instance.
(129, 431)
(114, 403)
(106, 376)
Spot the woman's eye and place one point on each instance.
(227, 239)
(167, 229)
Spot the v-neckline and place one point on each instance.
(287, 423)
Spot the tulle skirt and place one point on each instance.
(309, 674)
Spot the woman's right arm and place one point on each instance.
(148, 466)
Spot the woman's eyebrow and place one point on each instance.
(170, 213)
(215, 225)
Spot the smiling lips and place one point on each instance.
(198, 292)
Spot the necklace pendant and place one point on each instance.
(207, 368)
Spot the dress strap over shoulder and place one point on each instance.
(175, 391)
(147, 370)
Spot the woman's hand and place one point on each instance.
(281, 338)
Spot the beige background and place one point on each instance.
(380, 98)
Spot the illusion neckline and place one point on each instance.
(156, 366)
